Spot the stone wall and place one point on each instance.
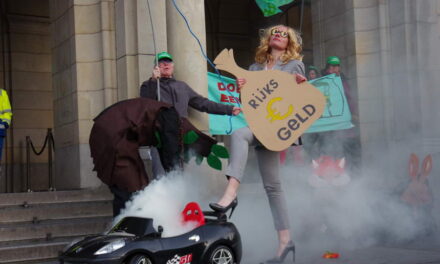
(397, 60)
(389, 54)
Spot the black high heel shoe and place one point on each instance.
(289, 247)
(223, 209)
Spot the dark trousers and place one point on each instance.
(120, 197)
(2, 138)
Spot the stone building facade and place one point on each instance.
(389, 50)
(64, 61)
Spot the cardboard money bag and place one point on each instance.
(277, 109)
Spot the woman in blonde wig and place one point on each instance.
(280, 49)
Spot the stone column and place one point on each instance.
(190, 65)
(389, 51)
(428, 57)
(134, 42)
(84, 83)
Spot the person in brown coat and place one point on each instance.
(122, 128)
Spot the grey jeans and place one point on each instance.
(268, 163)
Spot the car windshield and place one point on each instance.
(134, 225)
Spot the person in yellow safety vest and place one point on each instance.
(5, 117)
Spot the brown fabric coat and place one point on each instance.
(119, 131)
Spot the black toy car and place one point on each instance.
(135, 241)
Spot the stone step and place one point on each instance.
(37, 212)
(30, 198)
(33, 252)
(37, 261)
(36, 226)
(50, 229)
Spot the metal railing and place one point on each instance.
(48, 142)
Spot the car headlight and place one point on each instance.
(109, 248)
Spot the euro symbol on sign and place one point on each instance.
(272, 113)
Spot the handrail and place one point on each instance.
(48, 141)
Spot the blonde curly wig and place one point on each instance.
(292, 52)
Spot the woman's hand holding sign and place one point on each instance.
(300, 79)
(241, 82)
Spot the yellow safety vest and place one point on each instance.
(5, 108)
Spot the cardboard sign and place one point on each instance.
(277, 109)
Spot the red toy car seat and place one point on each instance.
(193, 213)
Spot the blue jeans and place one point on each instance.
(2, 138)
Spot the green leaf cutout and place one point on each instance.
(159, 142)
(190, 137)
(199, 159)
(220, 151)
(214, 162)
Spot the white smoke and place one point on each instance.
(366, 212)
(163, 201)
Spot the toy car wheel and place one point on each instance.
(222, 255)
(139, 259)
